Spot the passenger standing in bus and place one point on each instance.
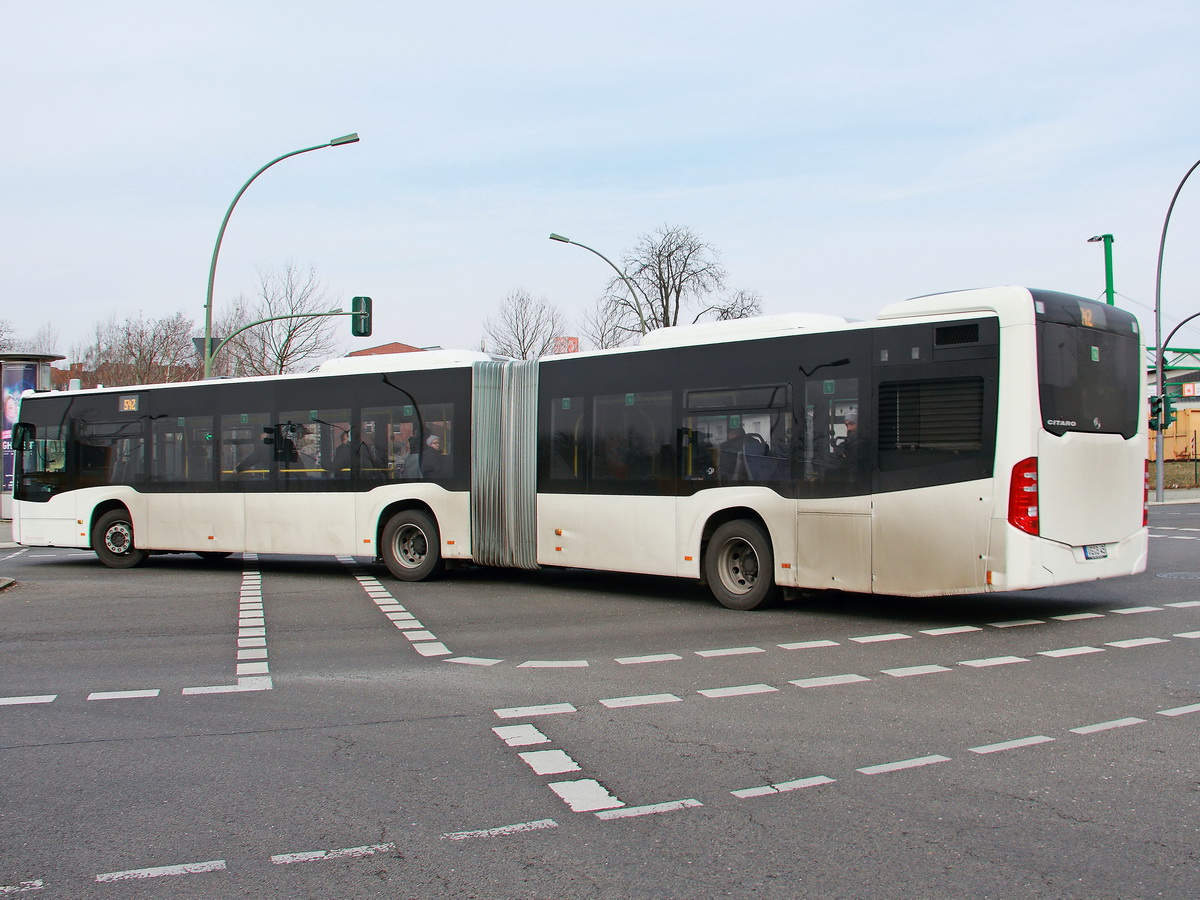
(411, 467)
(342, 457)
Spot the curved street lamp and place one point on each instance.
(212, 269)
(637, 304)
(1108, 272)
(1158, 341)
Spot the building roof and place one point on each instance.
(394, 347)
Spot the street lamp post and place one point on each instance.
(1158, 342)
(637, 304)
(1108, 272)
(212, 269)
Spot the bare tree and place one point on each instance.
(605, 324)
(44, 340)
(287, 344)
(6, 334)
(672, 268)
(524, 328)
(741, 304)
(140, 350)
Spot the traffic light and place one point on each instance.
(1156, 404)
(1168, 411)
(360, 320)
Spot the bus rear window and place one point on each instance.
(1089, 367)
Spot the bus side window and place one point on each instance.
(632, 437)
(110, 453)
(247, 447)
(316, 436)
(182, 450)
(833, 459)
(567, 445)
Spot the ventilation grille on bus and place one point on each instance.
(956, 334)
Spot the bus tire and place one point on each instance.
(739, 565)
(112, 539)
(411, 546)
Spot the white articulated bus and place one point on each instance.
(985, 440)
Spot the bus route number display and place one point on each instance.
(128, 403)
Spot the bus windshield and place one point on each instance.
(1089, 358)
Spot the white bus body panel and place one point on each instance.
(451, 510)
(833, 544)
(695, 512)
(201, 522)
(933, 540)
(598, 532)
(1079, 502)
(50, 524)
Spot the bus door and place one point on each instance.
(833, 508)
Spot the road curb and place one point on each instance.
(6, 582)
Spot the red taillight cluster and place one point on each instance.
(1146, 497)
(1023, 496)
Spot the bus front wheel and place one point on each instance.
(739, 565)
(412, 547)
(112, 539)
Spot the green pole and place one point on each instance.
(212, 268)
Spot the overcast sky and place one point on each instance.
(841, 155)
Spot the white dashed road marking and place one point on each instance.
(992, 661)
(548, 709)
(22, 701)
(1070, 651)
(549, 762)
(520, 735)
(829, 681)
(1011, 745)
(738, 691)
(914, 670)
(585, 795)
(284, 859)
(657, 657)
(652, 809)
(903, 764)
(502, 830)
(1106, 726)
(216, 865)
(644, 700)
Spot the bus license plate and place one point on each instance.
(1095, 551)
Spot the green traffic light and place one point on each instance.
(360, 319)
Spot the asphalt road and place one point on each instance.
(311, 728)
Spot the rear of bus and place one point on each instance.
(1074, 508)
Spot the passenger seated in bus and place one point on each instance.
(846, 448)
(432, 461)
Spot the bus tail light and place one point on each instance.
(1146, 497)
(1023, 496)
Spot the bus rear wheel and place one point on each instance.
(112, 539)
(411, 546)
(740, 566)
